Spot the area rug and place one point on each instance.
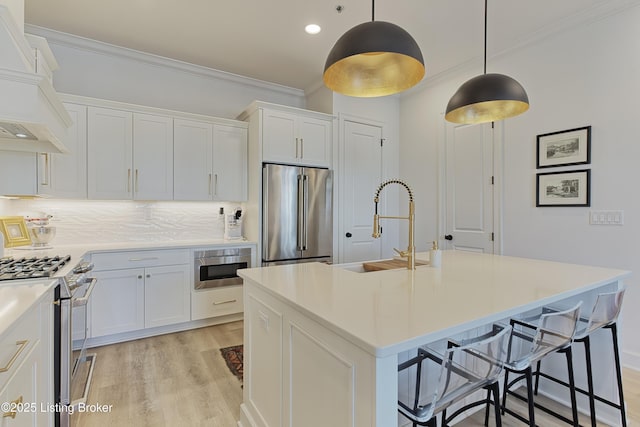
(233, 357)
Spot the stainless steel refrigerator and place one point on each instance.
(297, 214)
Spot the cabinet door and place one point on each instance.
(192, 157)
(18, 173)
(23, 385)
(167, 295)
(279, 137)
(65, 175)
(152, 157)
(229, 163)
(117, 302)
(109, 151)
(315, 141)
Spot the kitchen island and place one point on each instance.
(322, 342)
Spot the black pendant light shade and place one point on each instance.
(487, 98)
(375, 58)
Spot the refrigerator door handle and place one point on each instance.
(300, 219)
(305, 211)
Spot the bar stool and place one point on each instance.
(604, 315)
(550, 332)
(465, 367)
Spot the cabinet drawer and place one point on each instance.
(17, 343)
(135, 259)
(216, 302)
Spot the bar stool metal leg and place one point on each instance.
(616, 355)
(592, 400)
(572, 387)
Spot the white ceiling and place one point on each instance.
(265, 39)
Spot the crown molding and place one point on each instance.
(82, 43)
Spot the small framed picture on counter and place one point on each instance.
(15, 231)
(569, 188)
(564, 148)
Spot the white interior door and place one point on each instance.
(362, 172)
(469, 195)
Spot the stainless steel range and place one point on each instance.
(72, 294)
(75, 365)
(31, 268)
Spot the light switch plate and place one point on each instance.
(609, 217)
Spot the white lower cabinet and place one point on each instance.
(166, 295)
(26, 367)
(139, 289)
(117, 302)
(216, 302)
(134, 299)
(23, 393)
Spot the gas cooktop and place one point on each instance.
(31, 268)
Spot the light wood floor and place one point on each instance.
(181, 380)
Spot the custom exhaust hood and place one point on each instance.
(32, 117)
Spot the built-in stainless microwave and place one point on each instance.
(217, 268)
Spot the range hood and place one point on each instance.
(32, 117)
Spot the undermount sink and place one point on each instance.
(377, 265)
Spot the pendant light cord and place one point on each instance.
(373, 10)
(485, 36)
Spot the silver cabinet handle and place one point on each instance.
(210, 185)
(215, 184)
(151, 258)
(21, 346)
(296, 148)
(137, 190)
(139, 276)
(301, 148)
(224, 302)
(128, 180)
(148, 276)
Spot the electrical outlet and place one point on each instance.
(606, 217)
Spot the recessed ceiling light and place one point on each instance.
(20, 135)
(312, 29)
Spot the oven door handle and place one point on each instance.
(78, 302)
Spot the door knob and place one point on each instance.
(448, 237)
(348, 235)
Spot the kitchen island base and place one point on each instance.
(322, 344)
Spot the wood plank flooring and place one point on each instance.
(181, 380)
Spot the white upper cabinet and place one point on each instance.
(229, 163)
(192, 160)
(294, 138)
(210, 161)
(110, 153)
(130, 155)
(152, 157)
(65, 175)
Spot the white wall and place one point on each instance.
(99, 70)
(586, 75)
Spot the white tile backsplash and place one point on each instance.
(83, 221)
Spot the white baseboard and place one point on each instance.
(631, 360)
(161, 330)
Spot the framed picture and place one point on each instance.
(567, 147)
(563, 188)
(15, 231)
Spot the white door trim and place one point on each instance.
(498, 186)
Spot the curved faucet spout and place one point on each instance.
(411, 250)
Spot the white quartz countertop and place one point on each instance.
(386, 312)
(16, 299)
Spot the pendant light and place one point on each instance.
(373, 59)
(488, 97)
